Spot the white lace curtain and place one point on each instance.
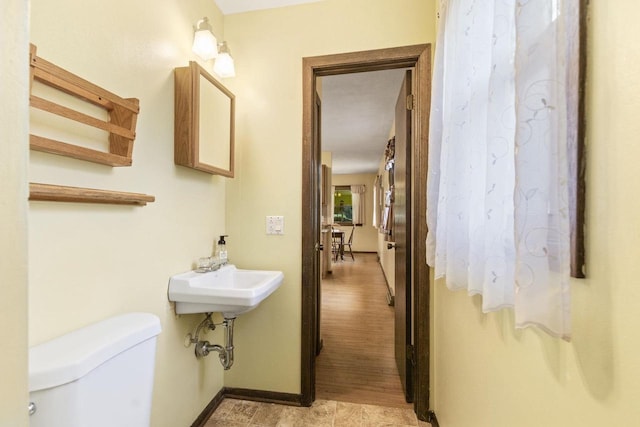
(497, 192)
(376, 201)
(357, 203)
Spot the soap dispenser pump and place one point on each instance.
(221, 250)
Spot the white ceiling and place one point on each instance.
(228, 7)
(357, 109)
(357, 115)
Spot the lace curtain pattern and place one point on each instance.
(357, 202)
(377, 201)
(497, 192)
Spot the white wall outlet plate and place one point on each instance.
(275, 224)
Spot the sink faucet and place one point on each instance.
(207, 264)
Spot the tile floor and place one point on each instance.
(323, 413)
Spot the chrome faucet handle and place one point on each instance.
(207, 264)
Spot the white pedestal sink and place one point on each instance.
(229, 290)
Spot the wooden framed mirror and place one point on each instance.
(204, 122)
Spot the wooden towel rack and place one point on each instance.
(121, 126)
(123, 114)
(59, 193)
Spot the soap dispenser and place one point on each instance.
(221, 250)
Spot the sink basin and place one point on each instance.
(229, 290)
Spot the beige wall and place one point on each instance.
(327, 157)
(365, 238)
(268, 47)
(88, 262)
(487, 374)
(14, 127)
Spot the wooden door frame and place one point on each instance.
(419, 58)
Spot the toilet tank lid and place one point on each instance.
(73, 355)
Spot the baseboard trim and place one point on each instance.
(263, 396)
(432, 419)
(390, 298)
(209, 410)
(246, 394)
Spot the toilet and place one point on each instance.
(99, 376)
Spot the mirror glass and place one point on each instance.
(215, 126)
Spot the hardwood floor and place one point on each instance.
(357, 360)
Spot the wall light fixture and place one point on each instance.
(224, 66)
(205, 44)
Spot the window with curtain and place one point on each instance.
(502, 117)
(349, 204)
(342, 205)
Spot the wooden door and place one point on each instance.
(402, 238)
(315, 215)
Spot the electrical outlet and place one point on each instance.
(275, 225)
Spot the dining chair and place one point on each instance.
(349, 242)
(337, 243)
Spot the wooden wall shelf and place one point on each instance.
(122, 113)
(59, 193)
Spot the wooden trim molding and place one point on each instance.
(290, 399)
(432, 419)
(390, 296)
(209, 409)
(419, 58)
(419, 268)
(578, 163)
(245, 394)
(61, 193)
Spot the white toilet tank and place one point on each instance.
(98, 376)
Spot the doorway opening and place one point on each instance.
(416, 58)
(358, 361)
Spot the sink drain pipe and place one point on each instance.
(203, 348)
